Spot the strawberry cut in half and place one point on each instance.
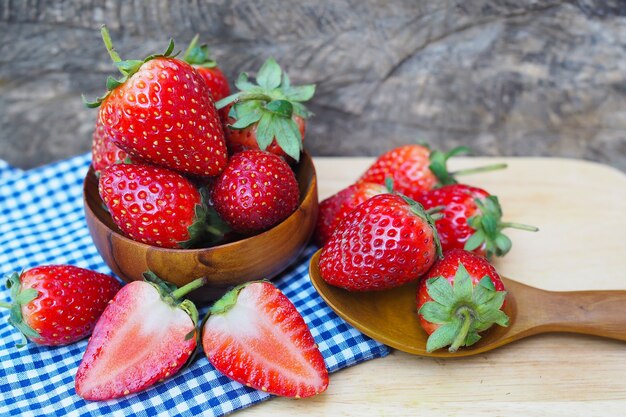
(58, 304)
(146, 334)
(255, 336)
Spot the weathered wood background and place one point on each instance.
(507, 77)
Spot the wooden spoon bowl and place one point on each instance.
(262, 256)
(390, 316)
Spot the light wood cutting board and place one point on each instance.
(580, 208)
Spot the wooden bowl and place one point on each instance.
(262, 256)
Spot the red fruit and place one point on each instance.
(242, 139)
(153, 205)
(333, 209)
(415, 169)
(383, 243)
(470, 219)
(268, 115)
(460, 296)
(199, 58)
(103, 151)
(161, 111)
(145, 335)
(255, 336)
(58, 304)
(256, 191)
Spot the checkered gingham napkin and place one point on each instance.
(42, 222)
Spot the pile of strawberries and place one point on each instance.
(183, 163)
(406, 219)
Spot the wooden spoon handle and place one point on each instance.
(599, 313)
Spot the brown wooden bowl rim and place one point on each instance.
(305, 199)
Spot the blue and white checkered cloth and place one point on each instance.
(42, 222)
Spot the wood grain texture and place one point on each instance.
(579, 208)
(534, 77)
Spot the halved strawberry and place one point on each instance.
(255, 336)
(146, 334)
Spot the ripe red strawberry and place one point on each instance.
(460, 296)
(146, 334)
(334, 208)
(415, 169)
(103, 151)
(161, 111)
(256, 191)
(198, 57)
(154, 205)
(268, 115)
(58, 304)
(255, 336)
(470, 219)
(383, 243)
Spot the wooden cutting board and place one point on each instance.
(580, 208)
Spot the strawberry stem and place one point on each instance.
(461, 336)
(186, 289)
(192, 45)
(4, 304)
(477, 170)
(106, 37)
(519, 226)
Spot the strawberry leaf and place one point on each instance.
(443, 336)
(300, 93)
(436, 312)
(265, 130)
(440, 290)
(462, 285)
(269, 75)
(288, 137)
(281, 108)
(248, 113)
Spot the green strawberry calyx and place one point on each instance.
(488, 228)
(20, 298)
(198, 55)
(461, 310)
(271, 103)
(439, 166)
(126, 67)
(207, 229)
(174, 296)
(229, 300)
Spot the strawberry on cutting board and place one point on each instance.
(334, 208)
(198, 57)
(161, 111)
(461, 296)
(154, 205)
(255, 336)
(383, 243)
(415, 169)
(58, 304)
(269, 115)
(146, 334)
(470, 218)
(256, 191)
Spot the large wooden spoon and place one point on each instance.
(390, 317)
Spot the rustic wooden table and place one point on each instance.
(580, 208)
